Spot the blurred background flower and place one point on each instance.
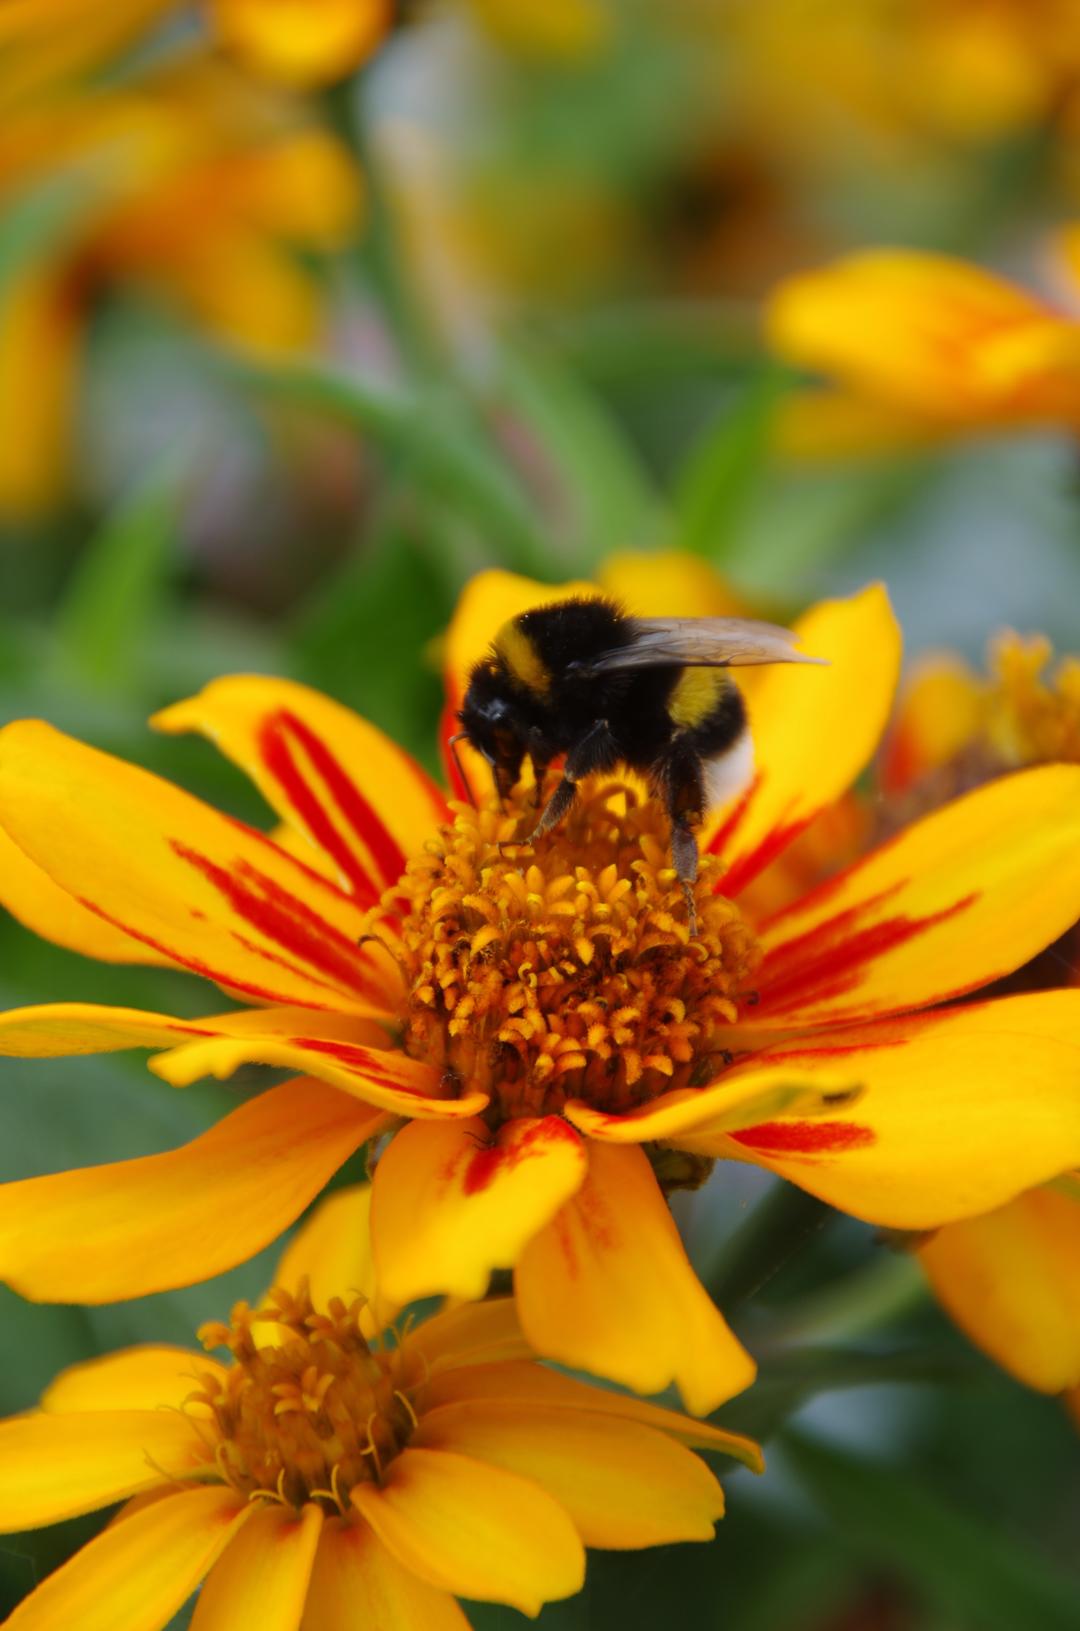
(310, 309)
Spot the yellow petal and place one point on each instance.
(194, 886)
(960, 1110)
(623, 1485)
(607, 1287)
(487, 602)
(331, 1250)
(966, 895)
(357, 1585)
(31, 896)
(939, 715)
(451, 1204)
(103, 1233)
(41, 320)
(59, 1029)
(380, 1076)
(527, 1384)
(136, 1574)
(261, 1578)
(814, 730)
(54, 1466)
(471, 1334)
(668, 583)
(1011, 1280)
(145, 1378)
(338, 780)
(474, 1529)
(302, 42)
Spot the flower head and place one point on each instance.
(527, 1037)
(349, 1464)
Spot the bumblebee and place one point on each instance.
(582, 679)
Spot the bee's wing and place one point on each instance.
(701, 642)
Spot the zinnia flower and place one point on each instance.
(919, 348)
(1010, 1278)
(540, 1032)
(342, 1474)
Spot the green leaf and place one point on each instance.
(974, 1573)
(118, 586)
(723, 472)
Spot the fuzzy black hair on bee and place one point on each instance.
(582, 679)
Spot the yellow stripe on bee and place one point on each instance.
(522, 658)
(697, 692)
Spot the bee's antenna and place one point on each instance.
(452, 742)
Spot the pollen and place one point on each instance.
(1032, 717)
(309, 1408)
(566, 969)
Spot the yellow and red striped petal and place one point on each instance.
(261, 1579)
(144, 1378)
(607, 1287)
(814, 730)
(59, 1029)
(527, 1384)
(451, 1203)
(357, 1585)
(384, 1077)
(53, 1466)
(1011, 1280)
(623, 1485)
(474, 1529)
(100, 1234)
(338, 780)
(966, 895)
(487, 602)
(136, 1574)
(193, 886)
(41, 905)
(960, 1110)
(471, 1334)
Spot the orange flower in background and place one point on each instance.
(345, 1474)
(534, 1027)
(918, 348)
(190, 188)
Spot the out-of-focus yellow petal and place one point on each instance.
(54, 1466)
(624, 1485)
(471, 1334)
(474, 1529)
(527, 1384)
(337, 779)
(1011, 1280)
(607, 1287)
(302, 42)
(357, 1585)
(965, 896)
(939, 715)
(136, 1574)
(668, 583)
(31, 896)
(450, 1204)
(566, 30)
(960, 1110)
(145, 1378)
(40, 336)
(824, 424)
(814, 729)
(261, 1578)
(249, 288)
(200, 889)
(104, 1233)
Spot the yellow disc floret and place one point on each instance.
(309, 1407)
(566, 969)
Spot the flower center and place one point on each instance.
(566, 969)
(313, 1414)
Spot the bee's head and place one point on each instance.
(490, 718)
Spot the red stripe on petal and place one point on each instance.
(804, 1137)
(747, 867)
(494, 1159)
(360, 1059)
(724, 835)
(278, 758)
(283, 918)
(382, 846)
(829, 960)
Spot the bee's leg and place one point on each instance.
(597, 750)
(684, 791)
(540, 758)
